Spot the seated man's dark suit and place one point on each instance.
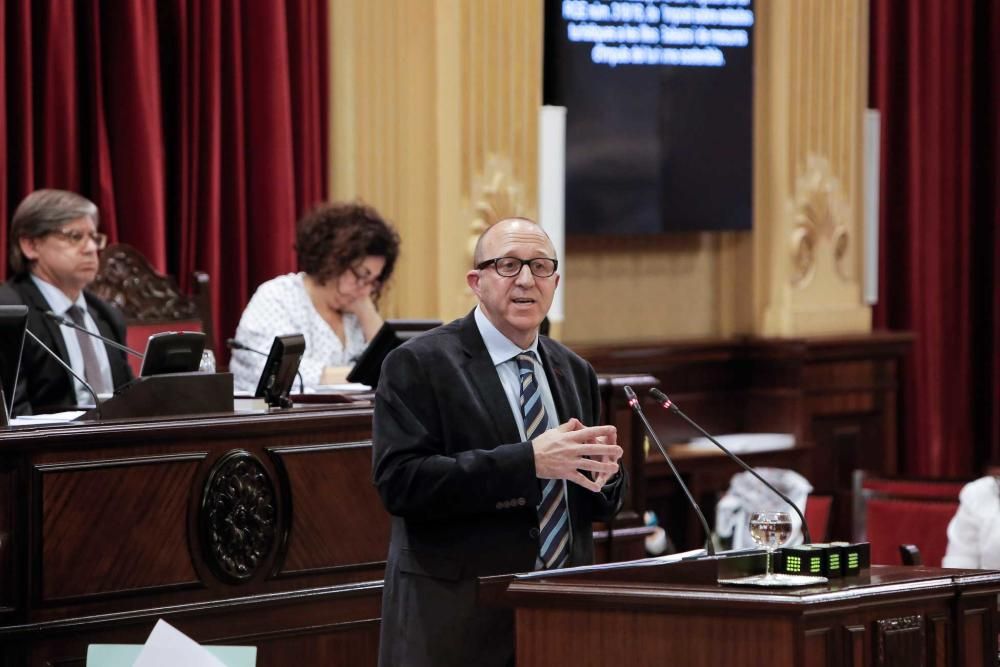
(461, 486)
(44, 385)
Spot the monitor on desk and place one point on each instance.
(13, 320)
(392, 334)
(172, 352)
(279, 370)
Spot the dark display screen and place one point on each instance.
(659, 123)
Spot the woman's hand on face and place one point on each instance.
(364, 309)
(362, 306)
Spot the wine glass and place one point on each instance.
(770, 530)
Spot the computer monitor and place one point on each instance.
(172, 352)
(13, 320)
(279, 370)
(392, 334)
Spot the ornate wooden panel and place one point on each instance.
(338, 517)
(119, 523)
(114, 526)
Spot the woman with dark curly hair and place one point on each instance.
(346, 253)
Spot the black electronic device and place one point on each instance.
(234, 344)
(13, 321)
(392, 334)
(172, 352)
(279, 370)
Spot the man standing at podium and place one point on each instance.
(486, 454)
(53, 255)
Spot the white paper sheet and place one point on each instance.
(53, 418)
(169, 647)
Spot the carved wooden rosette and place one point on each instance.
(819, 223)
(901, 641)
(238, 517)
(128, 280)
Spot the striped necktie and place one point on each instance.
(553, 517)
(91, 366)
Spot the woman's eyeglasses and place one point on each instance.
(364, 280)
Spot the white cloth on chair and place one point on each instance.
(747, 494)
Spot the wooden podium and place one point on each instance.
(676, 614)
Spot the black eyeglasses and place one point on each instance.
(77, 237)
(508, 267)
(365, 280)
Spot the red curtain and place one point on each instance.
(934, 77)
(197, 126)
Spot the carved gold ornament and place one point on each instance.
(495, 196)
(818, 222)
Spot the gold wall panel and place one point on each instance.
(434, 110)
(812, 88)
(810, 93)
(434, 117)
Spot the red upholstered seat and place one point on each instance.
(150, 301)
(923, 523)
(818, 516)
(914, 488)
(890, 512)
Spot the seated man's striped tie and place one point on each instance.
(553, 514)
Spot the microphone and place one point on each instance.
(234, 344)
(59, 319)
(664, 401)
(633, 401)
(86, 385)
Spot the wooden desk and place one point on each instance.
(254, 528)
(838, 395)
(257, 529)
(898, 616)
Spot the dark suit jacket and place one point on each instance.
(44, 385)
(461, 486)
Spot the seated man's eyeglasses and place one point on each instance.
(508, 267)
(77, 237)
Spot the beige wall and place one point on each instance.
(434, 117)
(434, 120)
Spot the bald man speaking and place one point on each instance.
(486, 453)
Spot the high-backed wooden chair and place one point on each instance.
(150, 301)
(893, 512)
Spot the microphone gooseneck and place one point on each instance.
(86, 385)
(633, 401)
(234, 344)
(59, 319)
(666, 403)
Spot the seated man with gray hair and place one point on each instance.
(53, 257)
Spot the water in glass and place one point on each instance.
(770, 530)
